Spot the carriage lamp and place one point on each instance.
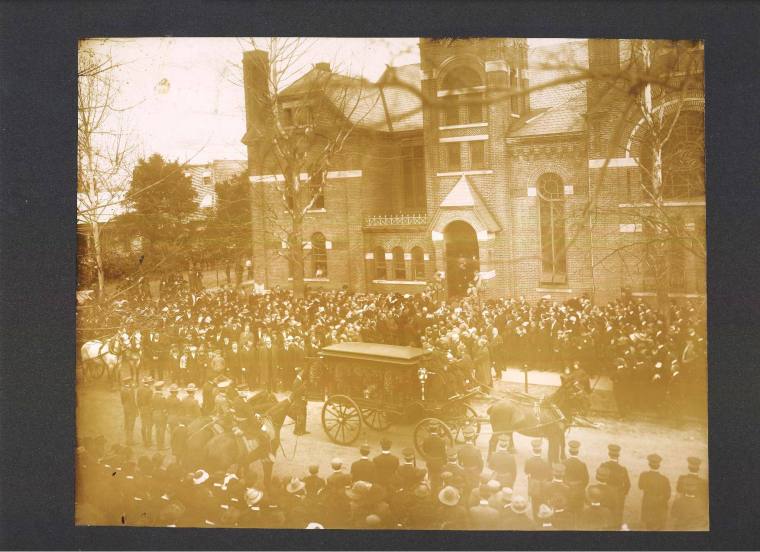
(422, 375)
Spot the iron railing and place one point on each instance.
(399, 219)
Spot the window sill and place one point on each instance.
(322, 210)
(312, 279)
(460, 91)
(542, 289)
(467, 125)
(465, 173)
(403, 282)
(676, 294)
(684, 203)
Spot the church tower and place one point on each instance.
(473, 97)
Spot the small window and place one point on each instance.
(317, 190)
(478, 154)
(514, 101)
(418, 263)
(414, 177)
(451, 111)
(380, 270)
(319, 255)
(207, 182)
(399, 266)
(475, 107)
(453, 156)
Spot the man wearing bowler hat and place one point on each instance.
(129, 404)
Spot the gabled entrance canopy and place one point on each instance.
(464, 203)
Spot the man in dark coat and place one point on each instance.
(693, 475)
(129, 405)
(688, 512)
(503, 463)
(314, 484)
(159, 415)
(471, 460)
(363, 469)
(298, 402)
(144, 396)
(515, 516)
(656, 494)
(595, 517)
(386, 463)
(454, 473)
(408, 475)
(618, 481)
(434, 450)
(557, 487)
(576, 477)
(539, 473)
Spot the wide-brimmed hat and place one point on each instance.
(224, 383)
(173, 388)
(295, 485)
(315, 525)
(253, 496)
(200, 477)
(363, 491)
(545, 511)
(191, 387)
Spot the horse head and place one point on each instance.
(572, 399)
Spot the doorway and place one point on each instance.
(462, 256)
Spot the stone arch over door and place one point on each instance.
(462, 256)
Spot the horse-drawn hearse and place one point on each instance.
(378, 385)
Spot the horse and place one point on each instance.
(97, 356)
(206, 444)
(546, 418)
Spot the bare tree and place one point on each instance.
(306, 125)
(664, 80)
(103, 149)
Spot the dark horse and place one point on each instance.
(546, 418)
(204, 443)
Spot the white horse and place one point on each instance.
(99, 356)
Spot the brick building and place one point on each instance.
(540, 193)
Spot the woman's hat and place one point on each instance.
(449, 496)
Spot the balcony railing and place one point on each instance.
(400, 219)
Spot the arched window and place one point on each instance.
(381, 272)
(552, 220)
(461, 77)
(418, 263)
(467, 108)
(683, 157)
(399, 266)
(318, 255)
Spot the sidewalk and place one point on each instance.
(550, 379)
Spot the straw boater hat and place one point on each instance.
(449, 496)
(295, 486)
(253, 496)
(191, 388)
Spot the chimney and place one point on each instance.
(323, 66)
(256, 86)
(603, 59)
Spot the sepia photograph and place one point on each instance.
(425, 283)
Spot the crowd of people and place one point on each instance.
(453, 488)
(656, 360)
(202, 353)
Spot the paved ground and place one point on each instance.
(99, 412)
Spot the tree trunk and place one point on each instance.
(295, 250)
(95, 227)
